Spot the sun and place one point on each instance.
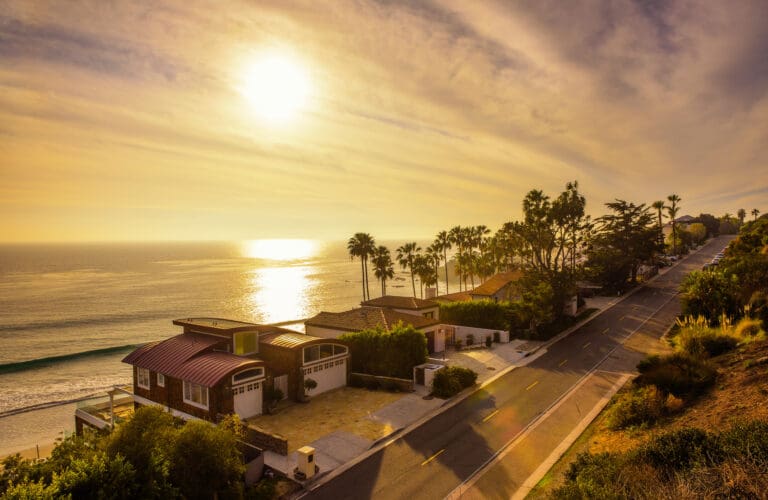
(277, 87)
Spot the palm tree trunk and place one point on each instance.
(362, 271)
(367, 290)
(413, 281)
(445, 258)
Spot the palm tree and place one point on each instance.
(383, 267)
(741, 214)
(433, 254)
(405, 255)
(362, 245)
(755, 212)
(456, 235)
(672, 211)
(659, 206)
(442, 244)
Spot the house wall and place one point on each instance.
(480, 334)
(326, 333)
(282, 361)
(220, 399)
(421, 312)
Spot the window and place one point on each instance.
(318, 352)
(247, 374)
(196, 395)
(142, 378)
(160, 380)
(429, 315)
(246, 343)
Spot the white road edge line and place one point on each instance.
(504, 450)
(566, 443)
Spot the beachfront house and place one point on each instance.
(499, 287)
(408, 305)
(220, 366)
(331, 324)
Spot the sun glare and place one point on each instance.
(277, 87)
(287, 249)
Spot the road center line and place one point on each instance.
(586, 345)
(425, 462)
(562, 362)
(531, 386)
(622, 318)
(490, 416)
(606, 331)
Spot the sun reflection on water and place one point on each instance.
(280, 293)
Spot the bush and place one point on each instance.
(450, 380)
(678, 374)
(488, 342)
(642, 405)
(391, 353)
(706, 343)
(681, 449)
(747, 328)
(478, 313)
(710, 294)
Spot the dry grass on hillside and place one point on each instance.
(741, 393)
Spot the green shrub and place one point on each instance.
(450, 380)
(488, 342)
(707, 343)
(747, 328)
(470, 339)
(680, 449)
(678, 374)
(747, 441)
(591, 476)
(642, 405)
(478, 313)
(391, 353)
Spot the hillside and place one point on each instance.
(739, 394)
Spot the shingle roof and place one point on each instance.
(397, 302)
(289, 340)
(363, 318)
(496, 283)
(189, 356)
(454, 297)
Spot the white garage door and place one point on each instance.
(248, 399)
(328, 375)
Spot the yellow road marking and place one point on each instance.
(490, 416)
(531, 386)
(425, 462)
(622, 318)
(606, 331)
(586, 345)
(562, 362)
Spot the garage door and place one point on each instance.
(328, 375)
(248, 398)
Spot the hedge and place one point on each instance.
(478, 313)
(391, 353)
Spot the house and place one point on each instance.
(219, 366)
(501, 286)
(408, 305)
(331, 325)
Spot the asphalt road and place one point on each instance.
(433, 459)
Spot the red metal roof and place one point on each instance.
(189, 356)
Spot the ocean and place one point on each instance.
(70, 312)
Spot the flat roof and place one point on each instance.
(214, 323)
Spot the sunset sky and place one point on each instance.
(132, 120)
